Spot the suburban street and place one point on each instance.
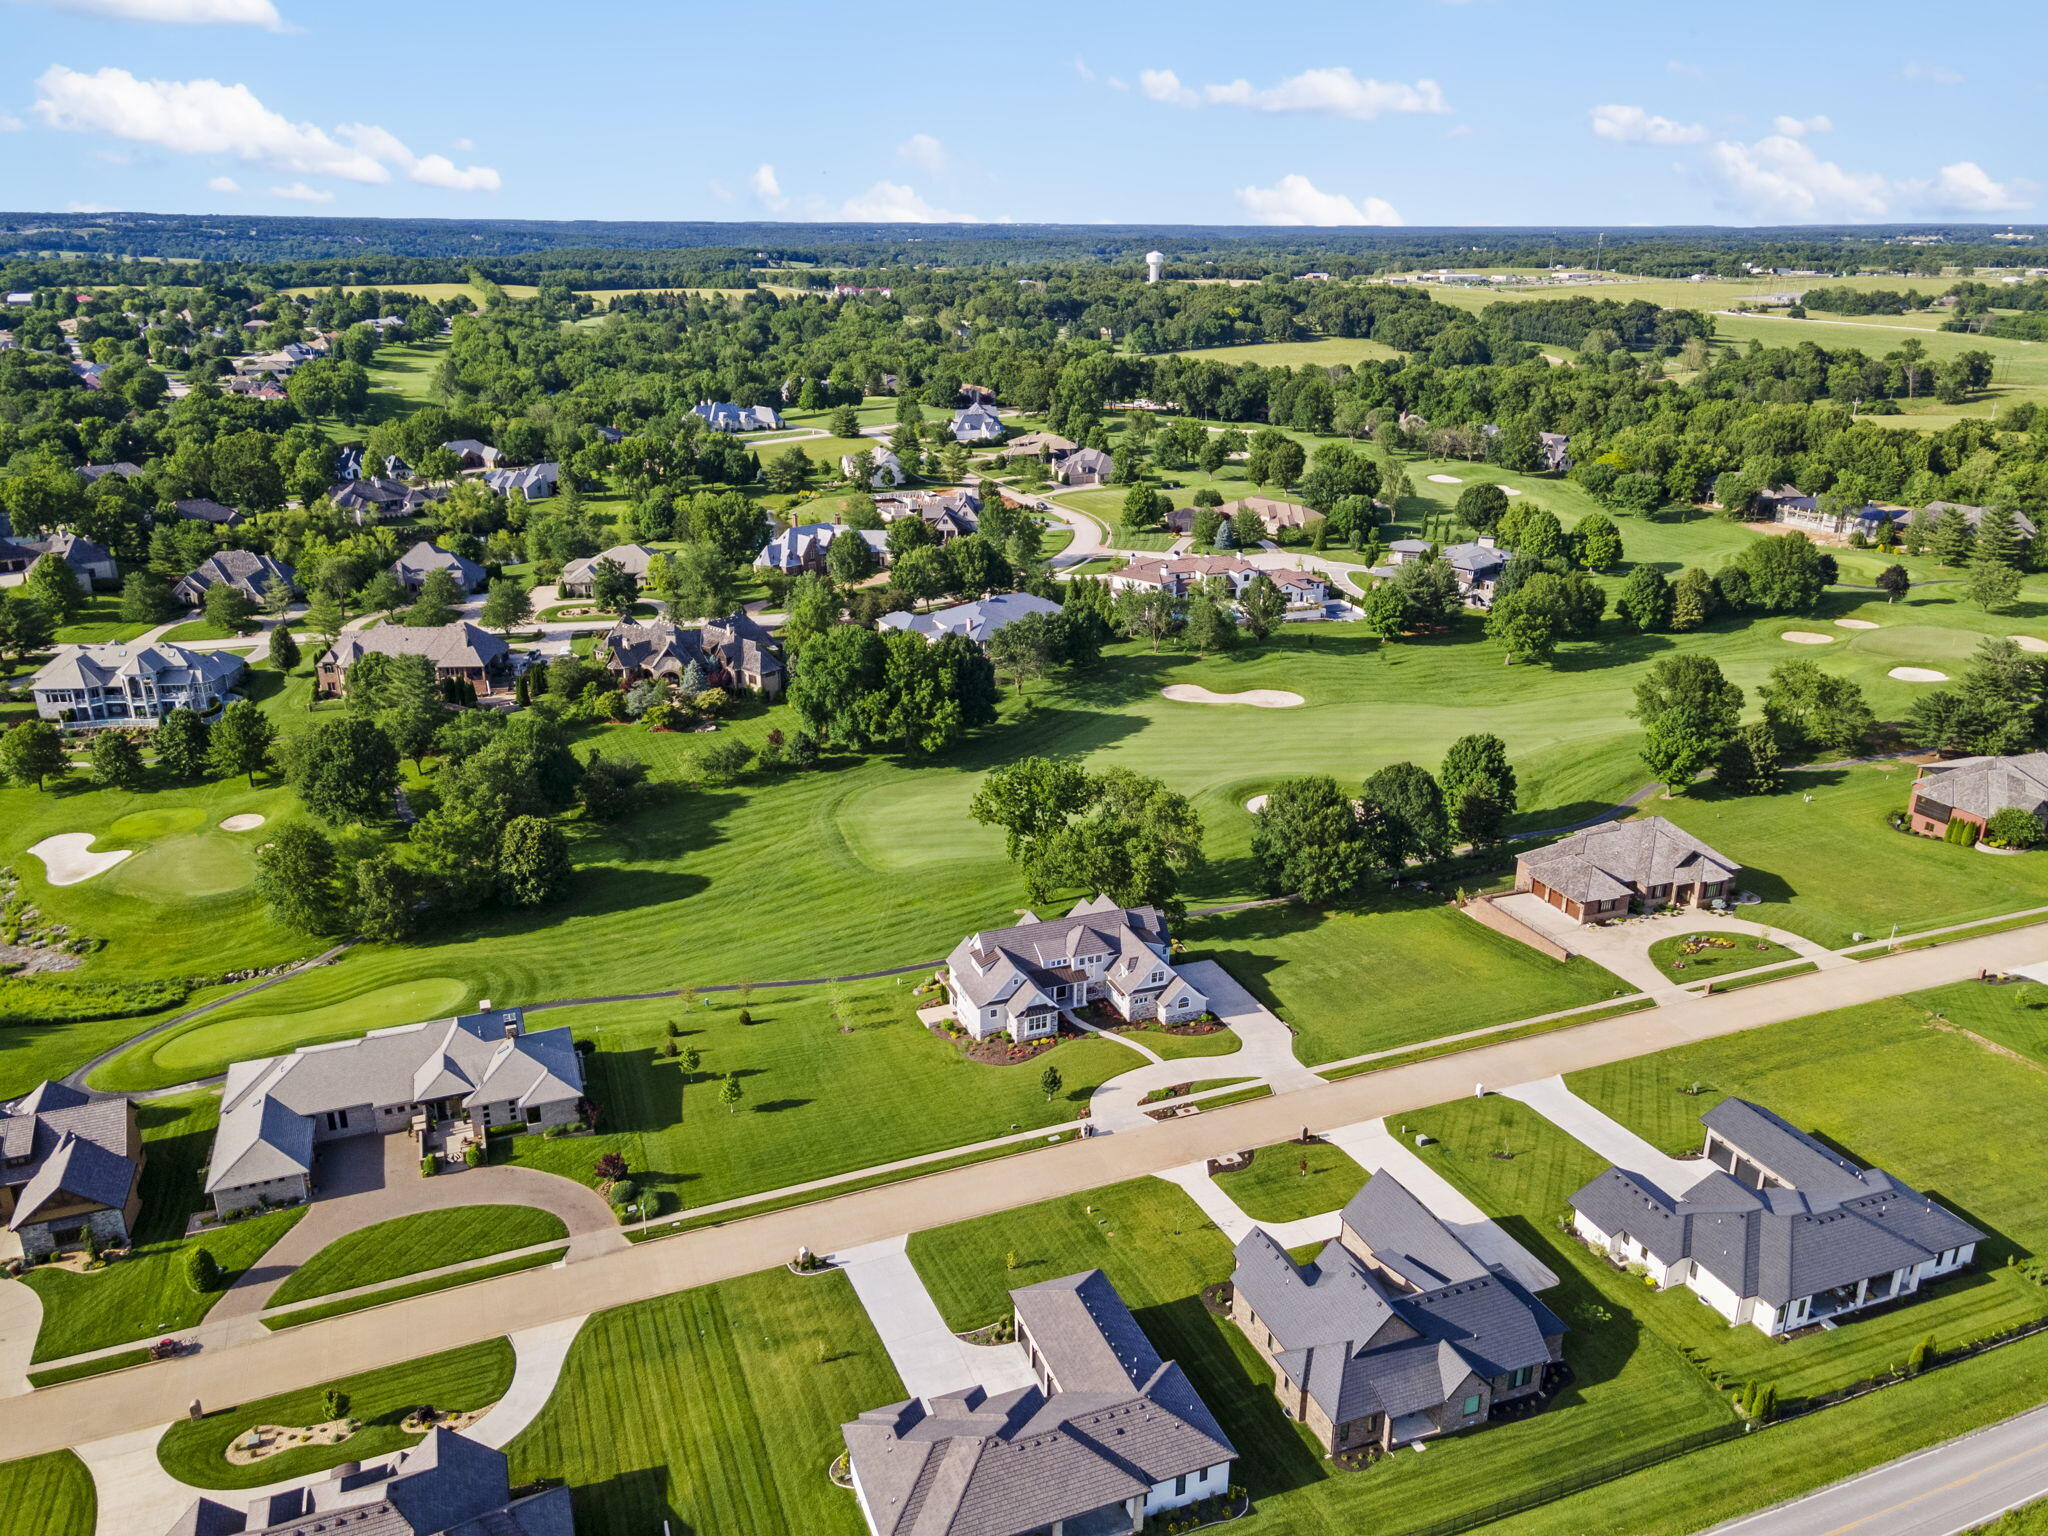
(94, 1409)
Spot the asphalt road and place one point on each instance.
(1936, 1492)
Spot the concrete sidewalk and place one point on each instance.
(1373, 1147)
(924, 1351)
(1606, 1136)
(83, 1410)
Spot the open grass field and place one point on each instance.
(1327, 352)
(433, 293)
(409, 1244)
(713, 1410)
(1160, 1251)
(146, 1294)
(475, 1376)
(47, 1496)
(1882, 1083)
(1288, 1182)
(833, 1079)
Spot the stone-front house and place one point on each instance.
(1107, 1436)
(1477, 566)
(1084, 466)
(1974, 789)
(483, 1068)
(448, 1483)
(1781, 1232)
(1018, 981)
(1554, 453)
(577, 575)
(734, 653)
(92, 685)
(803, 548)
(69, 1164)
(459, 651)
(471, 454)
(884, 468)
(535, 482)
(1593, 875)
(413, 567)
(1395, 1332)
(251, 574)
(724, 416)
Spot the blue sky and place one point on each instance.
(1422, 113)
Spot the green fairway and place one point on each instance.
(832, 1080)
(475, 1376)
(1289, 1181)
(49, 1495)
(210, 1043)
(1160, 1251)
(147, 1294)
(1328, 352)
(716, 1410)
(1880, 1082)
(409, 1244)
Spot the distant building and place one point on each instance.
(413, 567)
(122, 468)
(199, 510)
(977, 620)
(535, 482)
(977, 423)
(93, 685)
(803, 548)
(733, 653)
(251, 574)
(89, 562)
(723, 416)
(884, 468)
(1554, 450)
(577, 575)
(460, 652)
(1155, 266)
(471, 454)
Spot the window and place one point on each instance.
(1180, 1485)
(533, 1115)
(1471, 1405)
(1521, 1377)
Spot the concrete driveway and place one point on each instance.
(1624, 947)
(925, 1352)
(362, 1180)
(1601, 1133)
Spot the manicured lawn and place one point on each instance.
(195, 1450)
(829, 1084)
(715, 1409)
(146, 1293)
(409, 1244)
(1721, 954)
(1289, 1181)
(1159, 1251)
(206, 629)
(2032, 1520)
(1392, 972)
(1164, 1042)
(99, 622)
(318, 1311)
(1882, 1083)
(1829, 866)
(47, 1496)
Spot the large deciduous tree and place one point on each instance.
(1310, 842)
(1688, 712)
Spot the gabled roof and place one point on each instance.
(167, 666)
(424, 557)
(976, 620)
(253, 573)
(1984, 786)
(461, 645)
(79, 1169)
(633, 559)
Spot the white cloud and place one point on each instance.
(1965, 188)
(924, 152)
(1926, 73)
(1782, 177)
(1635, 125)
(189, 13)
(9, 123)
(1294, 199)
(719, 190)
(1800, 127)
(1117, 83)
(223, 184)
(87, 208)
(1685, 67)
(205, 117)
(465, 145)
(1334, 92)
(299, 192)
(1081, 68)
(766, 188)
(890, 202)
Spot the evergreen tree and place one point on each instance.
(284, 648)
(1694, 600)
(1749, 763)
(1953, 541)
(1998, 537)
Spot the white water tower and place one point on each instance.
(1155, 265)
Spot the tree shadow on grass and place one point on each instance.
(629, 1501)
(776, 1106)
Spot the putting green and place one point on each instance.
(209, 1047)
(185, 869)
(1916, 643)
(142, 826)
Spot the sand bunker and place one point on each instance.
(1446, 480)
(1807, 637)
(243, 823)
(69, 857)
(1263, 698)
(1509, 489)
(1917, 675)
(1866, 624)
(2028, 642)
(1256, 804)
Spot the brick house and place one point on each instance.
(1593, 875)
(458, 651)
(1396, 1331)
(1974, 789)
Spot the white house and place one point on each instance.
(92, 685)
(1781, 1233)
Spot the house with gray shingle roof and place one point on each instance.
(412, 567)
(977, 423)
(120, 467)
(535, 482)
(1781, 1232)
(1108, 1436)
(804, 546)
(447, 1483)
(1974, 789)
(1019, 981)
(1396, 1331)
(976, 620)
(253, 574)
(1593, 875)
(471, 454)
(482, 1068)
(733, 653)
(578, 574)
(93, 564)
(70, 1164)
(131, 685)
(199, 509)
(459, 651)
(724, 416)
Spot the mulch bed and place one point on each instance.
(1001, 1050)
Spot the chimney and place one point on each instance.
(1486, 541)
